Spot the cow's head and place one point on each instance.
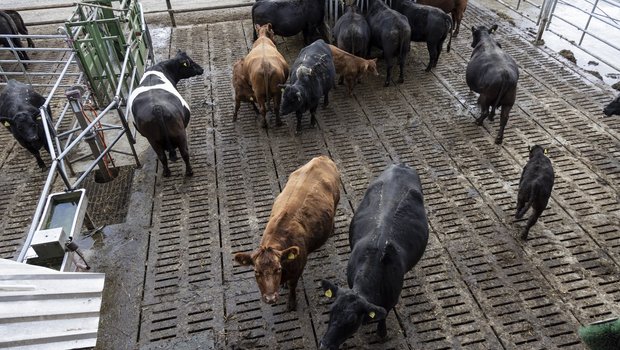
(348, 312)
(613, 107)
(185, 66)
(292, 99)
(265, 30)
(370, 66)
(268, 263)
(479, 32)
(24, 125)
(536, 149)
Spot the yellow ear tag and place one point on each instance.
(7, 124)
(282, 90)
(328, 293)
(251, 98)
(184, 64)
(291, 256)
(546, 151)
(371, 314)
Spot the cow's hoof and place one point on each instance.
(189, 173)
(291, 306)
(524, 235)
(400, 80)
(479, 122)
(297, 132)
(382, 331)
(498, 141)
(279, 123)
(167, 173)
(263, 125)
(386, 84)
(491, 117)
(428, 69)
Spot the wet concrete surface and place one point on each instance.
(170, 278)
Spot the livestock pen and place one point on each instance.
(170, 277)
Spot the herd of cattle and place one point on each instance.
(389, 231)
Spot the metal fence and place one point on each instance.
(591, 25)
(104, 56)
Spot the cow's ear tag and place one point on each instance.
(38, 118)
(371, 314)
(546, 151)
(251, 98)
(7, 124)
(282, 90)
(184, 64)
(328, 293)
(291, 256)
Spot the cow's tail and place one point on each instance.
(502, 90)
(266, 68)
(255, 34)
(158, 112)
(449, 23)
(404, 43)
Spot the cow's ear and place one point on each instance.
(473, 29)
(374, 312)
(290, 253)
(493, 29)
(330, 290)
(244, 259)
(269, 27)
(256, 27)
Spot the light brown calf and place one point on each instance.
(350, 67)
(302, 218)
(265, 68)
(243, 89)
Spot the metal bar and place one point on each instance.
(64, 70)
(33, 36)
(113, 104)
(206, 8)
(39, 210)
(588, 22)
(96, 161)
(33, 61)
(595, 15)
(42, 74)
(28, 49)
(41, 7)
(589, 33)
(546, 15)
(171, 12)
(68, 132)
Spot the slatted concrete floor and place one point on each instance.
(478, 285)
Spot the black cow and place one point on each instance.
(613, 107)
(160, 112)
(311, 77)
(428, 24)
(20, 114)
(8, 26)
(534, 187)
(352, 33)
(391, 33)
(493, 74)
(388, 235)
(289, 17)
(21, 26)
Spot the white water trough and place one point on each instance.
(62, 219)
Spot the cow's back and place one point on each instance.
(287, 17)
(393, 210)
(444, 5)
(309, 199)
(315, 67)
(265, 68)
(389, 29)
(17, 97)
(489, 68)
(352, 33)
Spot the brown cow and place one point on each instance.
(243, 89)
(265, 68)
(302, 218)
(351, 67)
(454, 7)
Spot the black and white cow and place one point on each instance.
(428, 24)
(493, 74)
(289, 17)
(20, 114)
(534, 187)
(389, 31)
(8, 26)
(352, 33)
(160, 113)
(613, 107)
(311, 77)
(388, 236)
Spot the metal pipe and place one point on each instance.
(206, 8)
(97, 160)
(545, 17)
(38, 211)
(41, 7)
(113, 104)
(583, 33)
(591, 14)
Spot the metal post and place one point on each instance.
(74, 95)
(583, 32)
(545, 17)
(171, 12)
